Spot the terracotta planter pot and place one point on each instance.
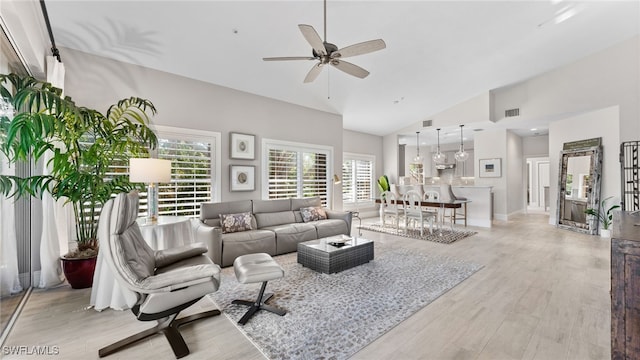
(79, 272)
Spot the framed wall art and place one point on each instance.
(242, 146)
(491, 168)
(242, 178)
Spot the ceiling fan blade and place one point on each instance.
(350, 68)
(313, 73)
(313, 38)
(284, 58)
(360, 48)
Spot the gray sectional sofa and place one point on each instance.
(277, 227)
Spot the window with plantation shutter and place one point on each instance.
(283, 174)
(194, 171)
(357, 180)
(296, 170)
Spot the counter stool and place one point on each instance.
(255, 268)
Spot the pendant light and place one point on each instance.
(418, 159)
(461, 155)
(438, 157)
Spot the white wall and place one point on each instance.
(491, 144)
(361, 143)
(607, 78)
(97, 82)
(604, 123)
(515, 174)
(535, 146)
(390, 157)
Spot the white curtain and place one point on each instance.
(57, 218)
(9, 279)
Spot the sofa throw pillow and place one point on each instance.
(312, 214)
(235, 222)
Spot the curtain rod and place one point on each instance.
(54, 50)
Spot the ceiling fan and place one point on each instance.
(327, 53)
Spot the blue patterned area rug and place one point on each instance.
(332, 316)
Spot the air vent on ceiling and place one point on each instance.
(427, 123)
(512, 112)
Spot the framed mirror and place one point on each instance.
(579, 181)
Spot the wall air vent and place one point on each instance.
(512, 112)
(427, 123)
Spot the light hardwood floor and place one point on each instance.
(543, 294)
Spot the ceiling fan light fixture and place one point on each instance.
(327, 53)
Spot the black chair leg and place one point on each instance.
(169, 327)
(259, 304)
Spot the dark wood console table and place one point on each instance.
(625, 286)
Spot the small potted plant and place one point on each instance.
(604, 216)
(383, 184)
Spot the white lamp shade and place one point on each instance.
(149, 170)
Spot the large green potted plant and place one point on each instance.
(604, 215)
(87, 148)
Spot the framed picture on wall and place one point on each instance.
(242, 146)
(491, 168)
(242, 178)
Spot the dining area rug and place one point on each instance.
(443, 236)
(332, 316)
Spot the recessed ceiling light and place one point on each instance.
(534, 129)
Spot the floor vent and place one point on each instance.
(512, 112)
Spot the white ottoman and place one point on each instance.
(255, 268)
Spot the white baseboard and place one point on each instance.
(515, 213)
(500, 217)
(36, 278)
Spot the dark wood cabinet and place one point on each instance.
(625, 286)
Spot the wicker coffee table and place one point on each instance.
(321, 256)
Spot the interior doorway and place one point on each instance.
(537, 194)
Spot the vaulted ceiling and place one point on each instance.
(439, 53)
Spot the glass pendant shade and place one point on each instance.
(418, 158)
(439, 157)
(461, 155)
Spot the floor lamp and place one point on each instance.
(151, 171)
(336, 182)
